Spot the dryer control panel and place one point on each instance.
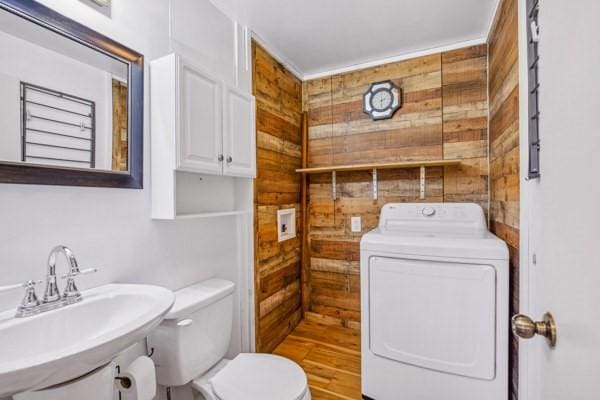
(435, 217)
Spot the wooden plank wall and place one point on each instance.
(504, 148)
(120, 145)
(279, 145)
(444, 116)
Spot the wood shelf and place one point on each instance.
(368, 167)
(374, 167)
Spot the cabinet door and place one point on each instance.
(239, 135)
(200, 131)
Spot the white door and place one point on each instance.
(200, 146)
(563, 209)
(239, 135)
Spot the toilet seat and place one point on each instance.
(260, 377)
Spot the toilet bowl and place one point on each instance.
(190, 345)
(254, 377)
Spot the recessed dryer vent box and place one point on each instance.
(286, 224)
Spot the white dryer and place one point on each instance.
(434, 304)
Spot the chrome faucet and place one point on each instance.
(51, 294)
(30, 305)
(71, 294)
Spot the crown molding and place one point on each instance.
(400, 57)
(355, 67)
(296, 71)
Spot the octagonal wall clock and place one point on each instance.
(382, 100)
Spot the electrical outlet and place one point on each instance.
(356, 224)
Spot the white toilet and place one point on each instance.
(190, 345)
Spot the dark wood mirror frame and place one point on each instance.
(11, 172)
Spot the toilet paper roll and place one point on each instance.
(142, 375)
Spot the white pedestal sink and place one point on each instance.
(63, 344)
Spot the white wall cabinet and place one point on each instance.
(213, 124)
(201, 125)
(239, 137)
(199, 136)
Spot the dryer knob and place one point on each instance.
(428, 212)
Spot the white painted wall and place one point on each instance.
(211, 41)
(111, 228)
(186, 33)
(10, 134)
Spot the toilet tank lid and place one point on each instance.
(199, 295)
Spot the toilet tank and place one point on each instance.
(195, 334)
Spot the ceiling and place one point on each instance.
(315, 37)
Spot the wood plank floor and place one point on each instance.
(330, 355)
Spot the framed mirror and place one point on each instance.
(71, 102)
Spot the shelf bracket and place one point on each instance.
(375, 188)
(333, 186)
(422, 183)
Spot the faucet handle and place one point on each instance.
(71, 293)
(27, 285)
(30, 301)
(81, 272)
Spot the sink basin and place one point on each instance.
(63, 344)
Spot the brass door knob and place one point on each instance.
(526, 328)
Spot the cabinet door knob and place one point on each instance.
(220, 158)
(229, 159)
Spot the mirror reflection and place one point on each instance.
(62, 104)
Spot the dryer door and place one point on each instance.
(434, 315)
